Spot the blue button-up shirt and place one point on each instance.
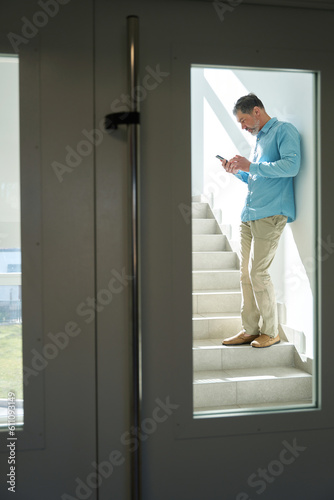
(276, 161)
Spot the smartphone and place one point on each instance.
(220, 157)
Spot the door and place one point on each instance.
(78, 440)
(217, 456)
(58, 437)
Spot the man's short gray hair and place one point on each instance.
(246, 104)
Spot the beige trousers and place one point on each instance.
(259, 241)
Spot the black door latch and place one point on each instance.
(124, 118)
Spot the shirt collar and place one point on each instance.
(268, 126)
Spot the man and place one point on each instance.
(269, 206)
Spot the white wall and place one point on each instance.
(290, 96)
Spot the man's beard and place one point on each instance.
(254, 130)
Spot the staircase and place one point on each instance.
(233, 377)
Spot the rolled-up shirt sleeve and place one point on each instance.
(243, 176)
(288, 163)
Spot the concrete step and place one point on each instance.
(209, 243)
(250, 386)
(216, 301)
(218, 325)
(201, 210)
(216, 280)
(283, 405)
(210, 354)
(205, 226)
(215, 260)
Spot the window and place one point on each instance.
(10, 241)
(227, 379)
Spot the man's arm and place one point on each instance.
(289, 163)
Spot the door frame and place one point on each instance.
(186, 425)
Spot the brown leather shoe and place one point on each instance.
(240, 339)
(265, 341)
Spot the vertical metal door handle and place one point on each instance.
(131, 118)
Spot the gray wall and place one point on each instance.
(86, 388)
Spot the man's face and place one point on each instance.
(249, 122)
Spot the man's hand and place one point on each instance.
(229, 167)
(236, 163)
(240, 163)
